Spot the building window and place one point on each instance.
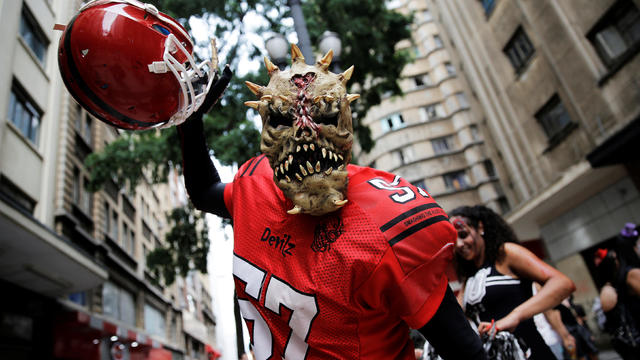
(462, 100)
(107, 219)
(154, 321)
(33, 36)
(503, 203)
(554, 119)
(79, 298)
(84, 126)
(617, 35)
(406, 155)
(422, 80)
(420, 184)
(442, 145)
(86, 196)
(82, 197)
(431, 112)
(475, 132)
(392, 122)
(519, 50)
(489, 168)
(451, 70)
(118, 303)
(426, 16)
(24, 114)
(488, 6)
(114, 226)
(131, 243)
(437, 41)
(456, 180)
(400, 156)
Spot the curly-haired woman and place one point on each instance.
(497, 274)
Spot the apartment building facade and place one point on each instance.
(72, 262)
(431, 135)
(557, 82)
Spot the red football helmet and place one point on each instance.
(131, 66)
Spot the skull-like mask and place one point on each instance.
(307, 132)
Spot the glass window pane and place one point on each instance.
(154, 321)
(127, 308)
(110, 300)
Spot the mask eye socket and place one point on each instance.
(328, 120)
(276, 120)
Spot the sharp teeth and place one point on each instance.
(288, 178)
(306, 147)
(298, 177)
(340, 202)
(298, 148)
(341, 158)
(286, 165)
(318, 168)
(324, 153)
(276, 171)
(330, 155)
(296, 210)
(281, 168)
(303, 171)
(310, 167)
(341, 167)
(328, 171)
(313, 147)
(290, 159)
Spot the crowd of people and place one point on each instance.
(523, 308)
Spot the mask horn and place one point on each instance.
(270, 66)
(255, 88)
(346, 75)
(326, 60)
(296, 54)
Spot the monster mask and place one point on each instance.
(307, 132)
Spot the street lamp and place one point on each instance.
(277, 47)
(331, 41)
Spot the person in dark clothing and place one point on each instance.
(620, 299)
(497, 274)
(319, 284)
(585, 345)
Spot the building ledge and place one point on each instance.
(34, 257)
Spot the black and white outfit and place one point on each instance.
(623, 321)
(490, 295)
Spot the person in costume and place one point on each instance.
(331, 260)
(497, 274)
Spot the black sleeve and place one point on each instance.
(201, 178)
(450, 334)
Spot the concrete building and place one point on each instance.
(432, 135)
(73, 263)
(557, 82)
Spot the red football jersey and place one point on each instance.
(345, 285)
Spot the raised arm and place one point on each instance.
(555, 285)
(201, 178)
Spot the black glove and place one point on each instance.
(215, 93)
